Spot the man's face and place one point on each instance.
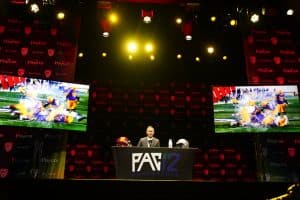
(150, 132)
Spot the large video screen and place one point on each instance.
(250, 109)
(38, 103)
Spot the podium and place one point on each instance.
(159, 163)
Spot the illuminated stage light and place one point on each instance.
(187, 30)
(213, 18)
(113, 18)
(210, 49)
(132, 47)
(103, 54)
(188, 37)
(105, 34)
(80, 54)
(290, 12)
(147, 19)
(60, 15)
(149, 47)
(263, 11)
(233, 22)
(254, 18)
(147, 15)
(34, 8)
(152, 57)
(105, 27)
(178, 20)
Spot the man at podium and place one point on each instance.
(149, 140)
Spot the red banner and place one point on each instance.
(38, 49)
(271, 57)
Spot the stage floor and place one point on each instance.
(138, 189)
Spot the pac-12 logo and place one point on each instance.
(158, 162)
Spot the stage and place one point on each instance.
(138, 189)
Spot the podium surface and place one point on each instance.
(159, 163)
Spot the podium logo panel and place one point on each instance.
(159, 163)
(151, 163)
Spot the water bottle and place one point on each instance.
(170, 143)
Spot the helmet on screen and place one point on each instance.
(182, 143)
(122, 141)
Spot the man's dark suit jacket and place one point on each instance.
(143, 142)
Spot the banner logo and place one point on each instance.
(140, 159)
(155, 163)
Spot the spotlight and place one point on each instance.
(233, 22)
(132, 47)
(178, 20)
(147, 19)
(113, 18)
(105, 34)
(80, 54)
(254, 18)
(106, 27)
(104, 54)
(188, 37)
(213, 18)
(148, 47)
(152, 57)
(263, 11)
(147, 15)
(187, 30)
(210, 49)
(60, 15)
(34, 8)
(290, 12)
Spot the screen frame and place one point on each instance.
(230, 129)
(20, 92)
